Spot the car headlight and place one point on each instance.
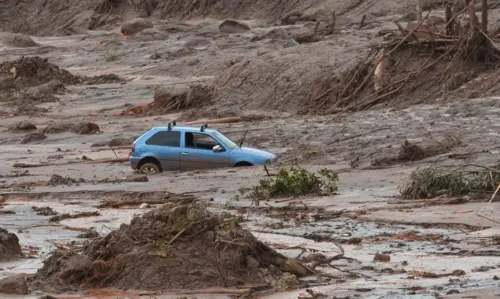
(268, 161)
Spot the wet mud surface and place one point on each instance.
(434, 250)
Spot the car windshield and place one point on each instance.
(228, 142)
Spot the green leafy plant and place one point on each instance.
(111, 56)
(296, 182)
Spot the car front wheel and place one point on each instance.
(149, 168)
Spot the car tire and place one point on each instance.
(243, 164)
(149, 168)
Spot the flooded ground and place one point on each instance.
(435, 250)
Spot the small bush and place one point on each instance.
(432, 182)
(296, 182)
(111, 56)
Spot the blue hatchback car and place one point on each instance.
(175, 148)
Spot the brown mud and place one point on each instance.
(297, 79)
(181, 247)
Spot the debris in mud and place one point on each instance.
(103, 79)
(22, 126)
(130, 179)
(150, 34)
(233, 26)
(16, 174)
(33, 137)
(83, 128)
(31, 80)
(165, 198)
(278, 280)
(384, 258)
(425, 274)
(9, 246)
(134, 26)
(15, 284)
(19, 40)
(115, 142)
(7, 212)
(296, 182)
(181, 97)
(61, 217)
(185, 246)
(120, 141)
(59, 180)
(89, 234)
(37, 93)
(483, 269)
(44, 211)
(27, 72)
(409, 152)
(57, 128)
(439, 181)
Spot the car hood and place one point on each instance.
(256, 152)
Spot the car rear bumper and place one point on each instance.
(134, 162)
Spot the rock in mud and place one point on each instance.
(33, 137)
(14, 285)
(22, 126)
(233, 26)
(382, 258)
(20, 40)
(134, 26)
(85, 128)
(9, 246)
(159, 245)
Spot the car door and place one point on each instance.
(165, 147)
(197, 152)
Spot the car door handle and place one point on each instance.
(185, 154)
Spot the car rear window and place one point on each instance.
(165, 138)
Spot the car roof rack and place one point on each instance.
(203, 127)
(171, 124)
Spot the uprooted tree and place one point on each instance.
(413, 59)
(469, 179)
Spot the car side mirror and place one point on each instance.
(217, 148)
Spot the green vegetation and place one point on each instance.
(111, 56)
(296, 182)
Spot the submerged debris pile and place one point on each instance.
(441, 181)
(409, 152)
(9, 246)
(31, 80)
(181, 247)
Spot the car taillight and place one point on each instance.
(133, 148)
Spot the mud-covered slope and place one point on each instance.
(55, 17)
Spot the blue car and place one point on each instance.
(176, 148)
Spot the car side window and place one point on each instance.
(200, 141)
(165, 138)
